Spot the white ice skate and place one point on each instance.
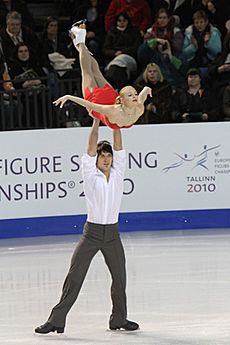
(78, 35)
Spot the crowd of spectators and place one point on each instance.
(180, 48)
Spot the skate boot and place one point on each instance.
(83, 21)
(77, 33)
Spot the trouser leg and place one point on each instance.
(113, 253)
(83, 254)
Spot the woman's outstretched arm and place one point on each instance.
(147, 91)
(101, 108)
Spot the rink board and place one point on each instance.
(177, 177)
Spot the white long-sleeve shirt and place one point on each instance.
(103, 197)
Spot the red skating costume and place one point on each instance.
(104, 95)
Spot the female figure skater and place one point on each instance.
(100, 99)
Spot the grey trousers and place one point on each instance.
(106, 239)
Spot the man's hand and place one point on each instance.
(224, 68)
(93, 138)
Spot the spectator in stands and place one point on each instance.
(226, 103)
(16, 32)
(181, 9)
(138, 11)
(27, 73)
(194, 103)
(94, 12)
(9, 109)
(163, 44)
(120, 49)
(59, 49)
(23, 61)
(164, 28)
(69, 7)
(5, 100)
(53, 40)
(202, 42)
(217, 11)
(219, 69)
(20, 6)
(158, 107)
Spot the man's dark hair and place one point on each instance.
(104, 146)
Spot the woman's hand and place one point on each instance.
(148, 91)
(61, 101)
(194, 42)
(207, 37)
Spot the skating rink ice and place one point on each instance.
(178, 289)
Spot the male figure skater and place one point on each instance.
(103, 172)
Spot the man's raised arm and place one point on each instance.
(117, 140)
(93, 138)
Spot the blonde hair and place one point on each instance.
(152, 65)
(118, 98)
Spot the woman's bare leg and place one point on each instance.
(91, 74)
(90, 70)
(85, 58)
(100, 79)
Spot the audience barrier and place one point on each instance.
(177, 177)
(33, 109)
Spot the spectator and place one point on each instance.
(15, 32)
(53, 40)
(58, 47)
(163, 44)
(217, 11)
(219, 69)
(9, 110)
(23, 60)
(94, 12)
(194, 103)
(178, 8)
(158, 107)
(202, 42)
(120, 49)
(27, 73)
(138, 11)
(20, 6)
(164, 28)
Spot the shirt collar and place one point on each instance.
(12, 36)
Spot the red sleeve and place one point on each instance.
(111, 14)
(147, 17)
